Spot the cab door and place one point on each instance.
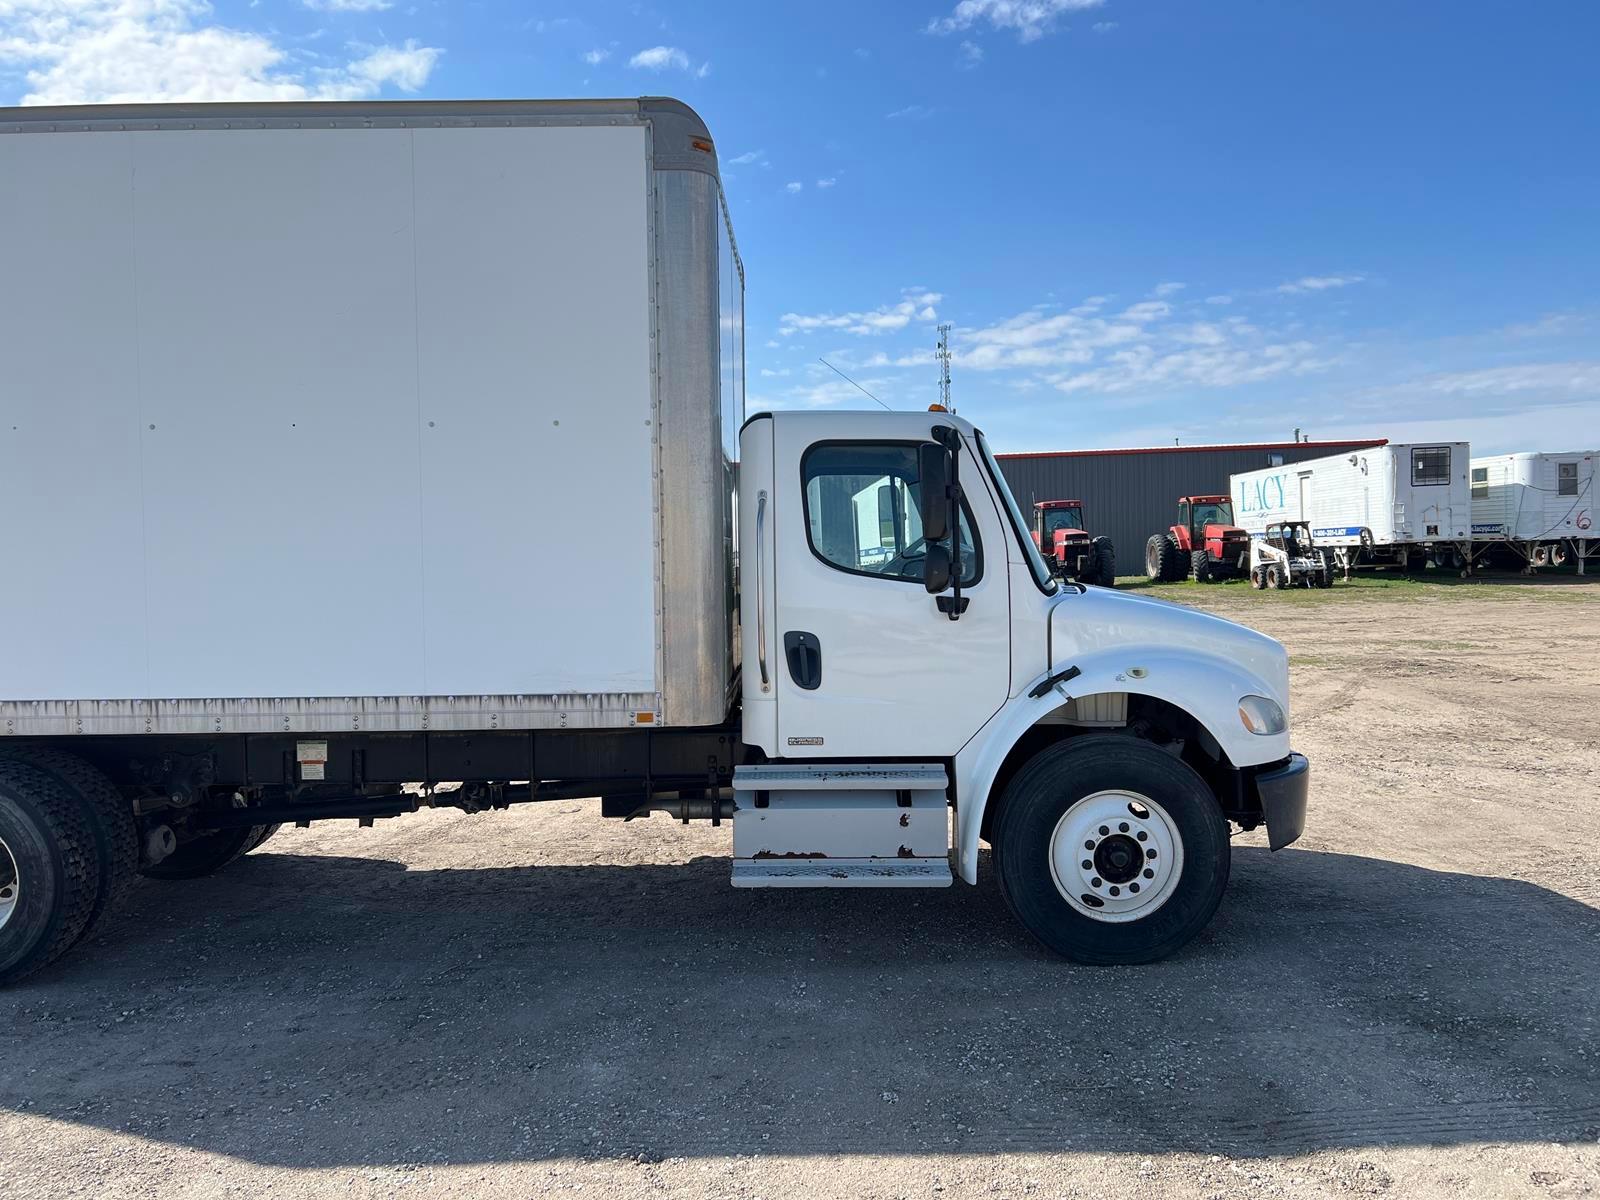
(867, 664)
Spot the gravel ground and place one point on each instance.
(1407, 1003)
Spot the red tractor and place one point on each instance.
(1072, 554)
(1205, 544)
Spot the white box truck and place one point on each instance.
(317, 426)
(1534, 510)
(1401, 504)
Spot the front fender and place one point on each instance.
(1205, 686)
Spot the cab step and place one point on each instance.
(841, 825)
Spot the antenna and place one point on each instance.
(848, 380)
(943, 355)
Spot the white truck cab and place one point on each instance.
(1098, 740)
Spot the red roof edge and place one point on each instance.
(1346, 442)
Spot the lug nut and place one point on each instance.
(1143, 836)
(1095, 882)
(1088, 865)
(1116, 891)
(1123, 828)
(1104, 831)
(1149, 874)
(1133, 887)
(1150, 853)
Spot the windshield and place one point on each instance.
(1019, 524)
(1213, 514)
(1062, 518)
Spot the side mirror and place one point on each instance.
(933, 499)
(936, 568)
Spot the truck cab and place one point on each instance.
(1099, 742)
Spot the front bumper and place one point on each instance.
(1282, 789)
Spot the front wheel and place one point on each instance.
(1111, 851)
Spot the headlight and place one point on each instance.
(1262, 715)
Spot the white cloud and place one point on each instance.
(596, 56)
(1574, 380)
(1167, 289)
(971, 54)
(703, 70)
(358, 6)
(793, 186)
(915, 304)
(1318, 283)
(748, 157)
(1103, 26)
(659, 58)
(911, 112)
(1031, 19)
(1220, 299)
(127, 51)
(826, 183)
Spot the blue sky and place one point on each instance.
(1146, 219)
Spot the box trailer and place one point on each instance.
(315, 424)
(1534, 510)
(1405, 504)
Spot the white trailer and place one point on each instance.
(317, 424)
(1534, 509)
(1402, 504)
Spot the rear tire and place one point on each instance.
(1160, 558)
(1102, 563)
(1049, 824)
(266, 832)
(49, 869)
(1258, 579)
(1200, 566)
(1274, 580)
(209, 853)
(110, 818)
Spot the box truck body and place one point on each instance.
(1540, 506)
(365, 458)
(1381, 500)
(382, 423)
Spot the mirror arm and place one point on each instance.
(951, 441)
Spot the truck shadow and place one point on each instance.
(311, 1011)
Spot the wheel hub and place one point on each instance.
(10, 885)
(1116, 856)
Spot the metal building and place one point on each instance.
(1130, 494)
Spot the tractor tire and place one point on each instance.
(1200, 567)
(208, 853)
(1102, 563)
(1110, 850)
(1274, 579)
(110, 818)
(50, 869)
(1161, 558)
(1258, 579)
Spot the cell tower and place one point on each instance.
(943, 355)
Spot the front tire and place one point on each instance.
(1089, 800)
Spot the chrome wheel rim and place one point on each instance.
(1116, 856)
(10, 885)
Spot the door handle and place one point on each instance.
(804, 653)
(761, 590)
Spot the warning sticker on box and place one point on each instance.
(313, 759)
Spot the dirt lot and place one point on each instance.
(1406, 1004)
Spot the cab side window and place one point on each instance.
(862, 511)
